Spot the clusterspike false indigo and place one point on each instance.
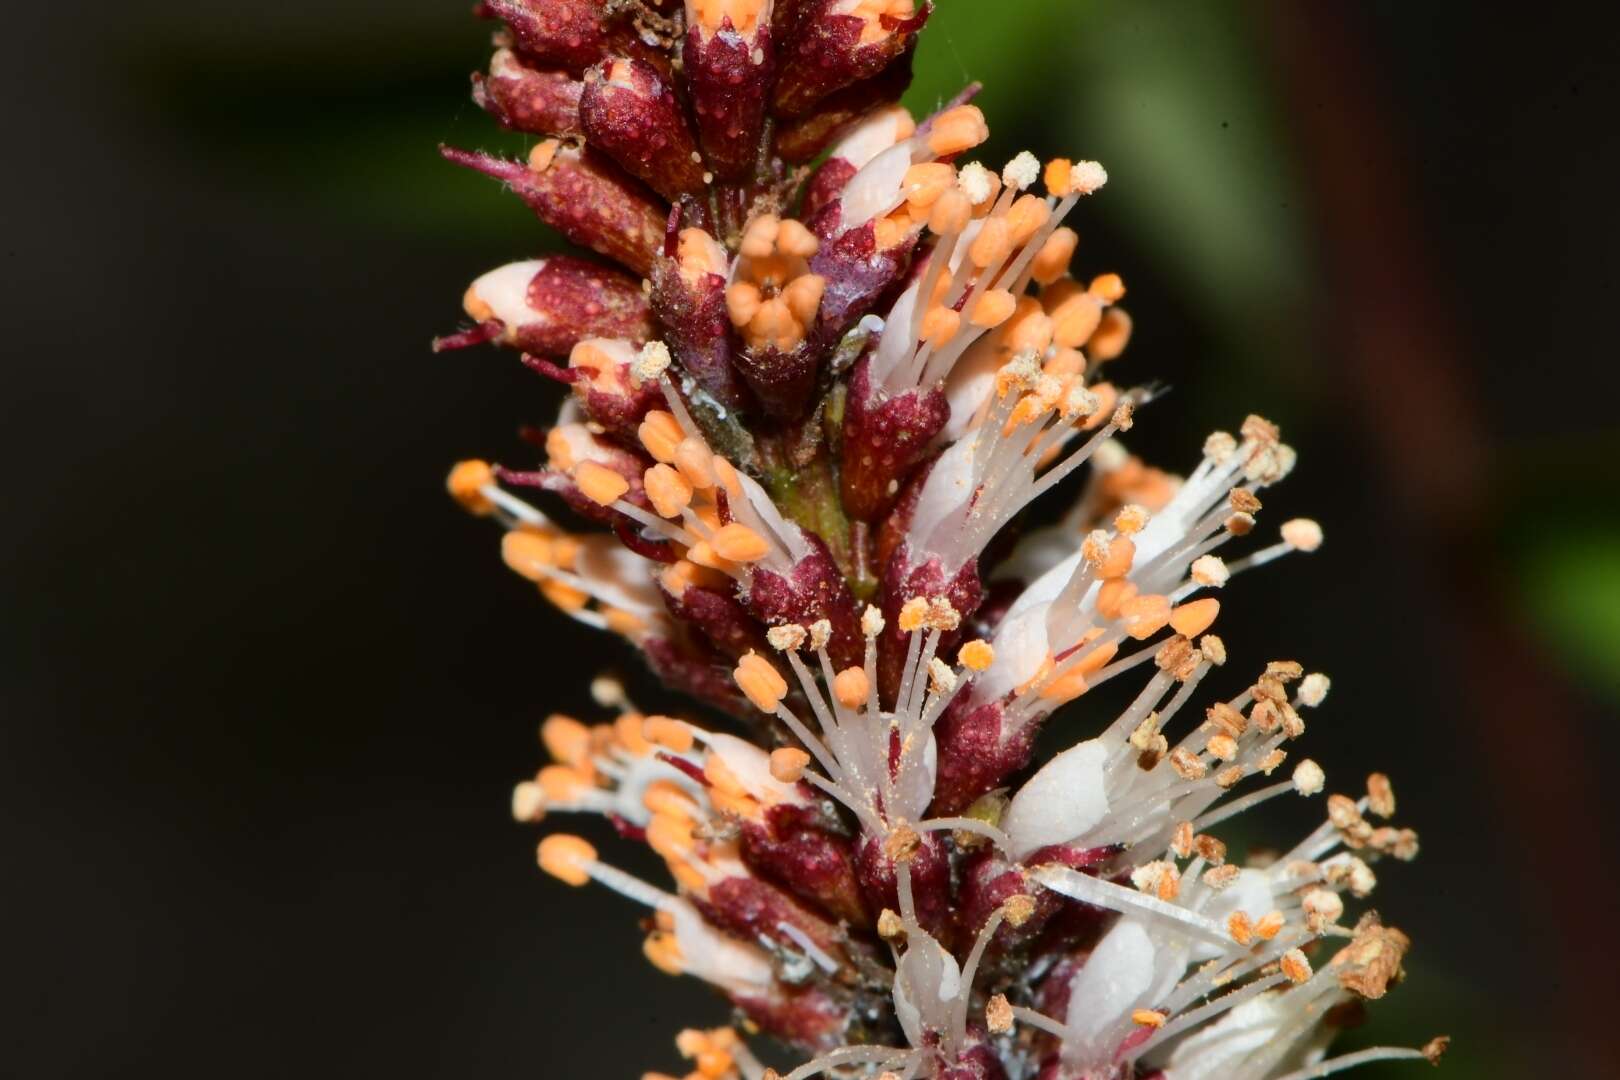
(834, 363)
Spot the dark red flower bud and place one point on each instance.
(901, 582)
(825, 186)
(930, 880)
(527, 99)
(630, 112)
(600, 373)
(976, 755)
(691, 669)
(815, 590)
(712, 611)
(583, 196)
(795, 847)
(748, 908)
(829, 52)
(857, 271)
(545, 306)
(884, 440)
(782, 381)
(808, 1018)
(571, 34)
(988, 880)
(800, 140)
(689, 299)
(729, 71)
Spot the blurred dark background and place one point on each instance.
(266, 690)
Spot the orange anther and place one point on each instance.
(663, 953)
(526, 553)
(720, 777)
(599, 483)
(739, 543)
(727, 477)
(1194, 618)
(956, 130)
(1066, 687)
(1108, 288)
(670, 837)
(803, 297)
(677, 577)
(696, 463)
(1025, 217)
(792, 238)
(701, 554)
(1029, 328)
(660, 433)
(1145, 615)
(465, 485)
(1040, 674)
(1096, 658)
(1111, 336)
(566, 739)
(1028, 410)
(1065, 363)
(713, 1064)
(977, 655)
(993, 308)
(565, 596)
(787, 764)
(668, 798)
(564, 550)
(1117, 563)
(691, 1042)
(627, 730)
(476, 307)
(667, 490)
(742, 302)
(741, 806)
(993, 244)
(850, 687)
(1057, 177)
(773, 325)
(889, 231)
(924, 183)
(559, 450)
(1052, 261)
(940, 325)
(668, 732)
(1075, 313)
(757, 679)
(950, 213)
(562, 784)
(567, 858)
(759, 240)
(1113, 596)
(541, 156)
(698, 253)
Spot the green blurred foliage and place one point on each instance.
(1571, 583)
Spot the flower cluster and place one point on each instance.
(824, 365)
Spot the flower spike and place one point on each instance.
(837, 361)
